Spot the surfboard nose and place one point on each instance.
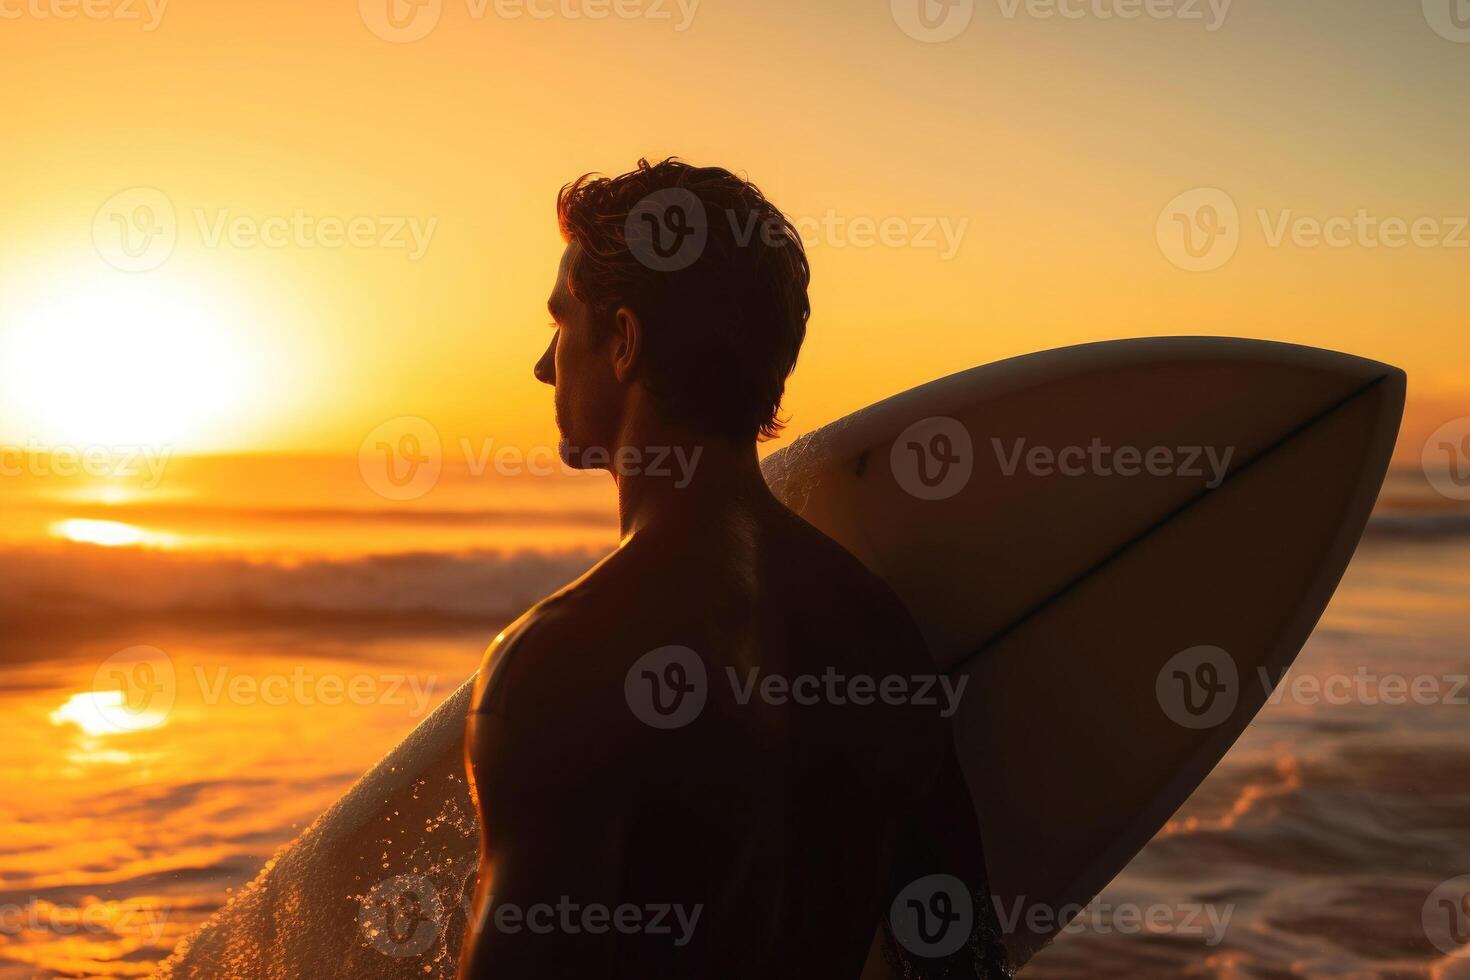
(1050, 462)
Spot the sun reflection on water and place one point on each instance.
(109, 534)
(100, 713)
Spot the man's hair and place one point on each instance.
(722, 295)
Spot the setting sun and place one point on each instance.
(121, 360)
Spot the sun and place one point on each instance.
(124, 360)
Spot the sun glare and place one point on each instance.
(104, 713)
(110, 534)
(124, 360)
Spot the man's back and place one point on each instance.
(719, 723)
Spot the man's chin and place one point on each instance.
(582, 457)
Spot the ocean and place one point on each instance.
(284, 623)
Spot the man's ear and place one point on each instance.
(627, 343)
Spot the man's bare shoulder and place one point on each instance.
(832, 581)
(571, 645)
(575, 649)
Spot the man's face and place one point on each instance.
(589, 399)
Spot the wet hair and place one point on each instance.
(717, 275)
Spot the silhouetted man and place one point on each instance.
(668, 783)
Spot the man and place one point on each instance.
(650, 804)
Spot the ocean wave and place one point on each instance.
(1423, 524)
(86, 582)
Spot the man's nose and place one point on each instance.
(545, 369)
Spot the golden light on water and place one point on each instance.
(110, 494)
(105, 713)
(108, 534)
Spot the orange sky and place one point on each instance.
(1048, 147)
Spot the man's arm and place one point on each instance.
(546, 755)
(942, 838)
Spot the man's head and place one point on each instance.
(682, 292)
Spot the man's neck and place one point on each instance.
(684, 480)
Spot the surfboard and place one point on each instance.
(1123, 545)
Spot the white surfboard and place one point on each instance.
(1116, 542)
